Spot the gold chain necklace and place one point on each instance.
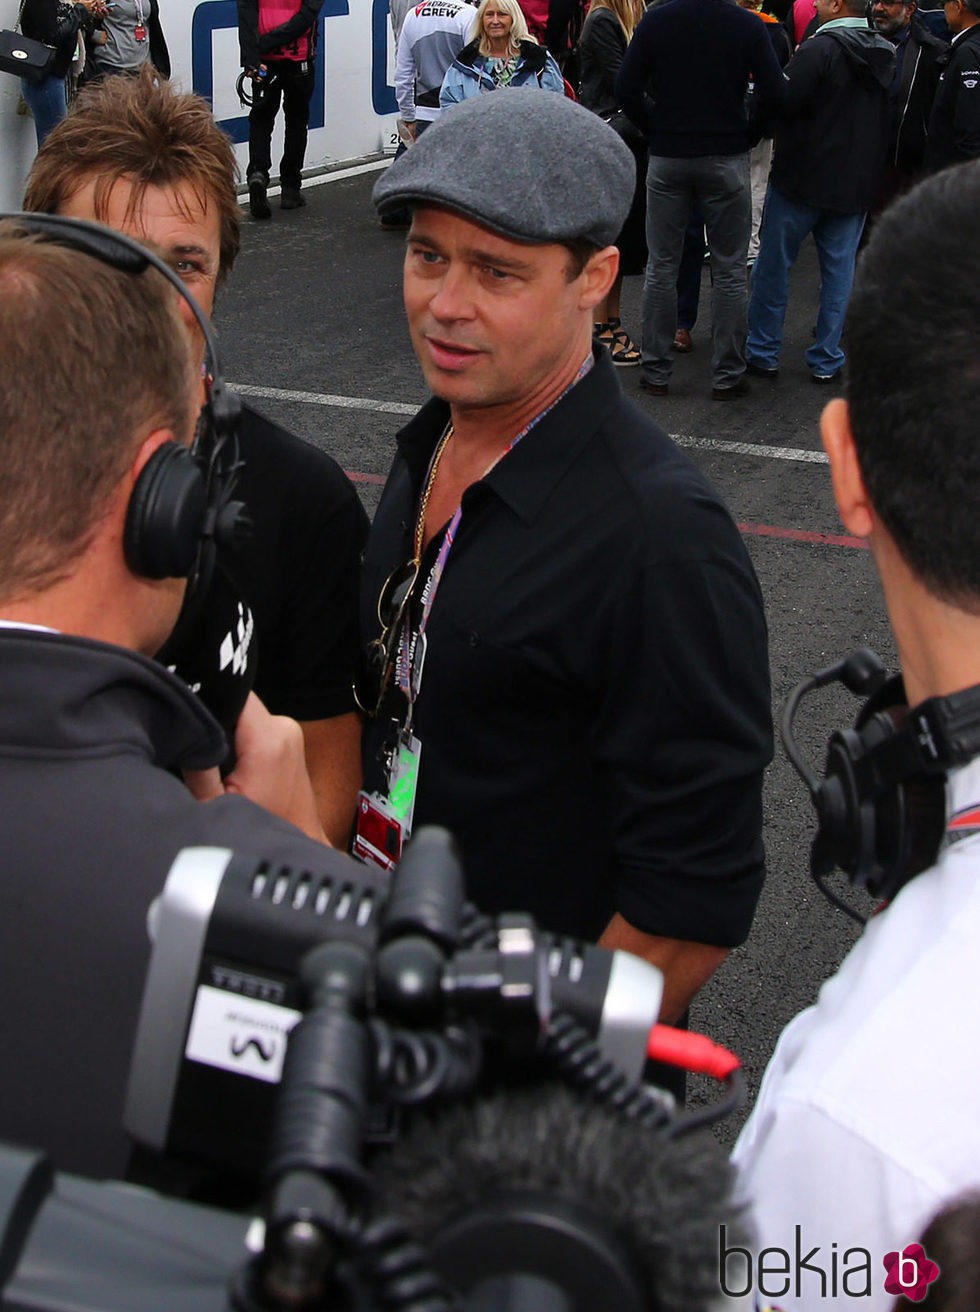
(427, 492)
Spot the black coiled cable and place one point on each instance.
(578, 1058)
(247, 98)
(398, 1272)
(580, 1061)
(412, 1066)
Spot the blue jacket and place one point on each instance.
(467, 75)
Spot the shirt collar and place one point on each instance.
(843, 22)
(524, 479)
(21, 624)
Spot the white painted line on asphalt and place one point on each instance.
(752, 449)
(335, 175)
(317, 398)
(355, 170)
(396, 408)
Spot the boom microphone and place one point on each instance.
(531, 1200)
(368, 1001)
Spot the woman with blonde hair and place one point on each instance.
(608, 30)
(501, 53)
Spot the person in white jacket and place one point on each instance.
(432, 35)
(867, 1123)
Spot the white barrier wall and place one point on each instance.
(352, 112)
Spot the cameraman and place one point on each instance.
(866, 1121)
(141, 156)
(97, 376)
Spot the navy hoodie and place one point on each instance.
(684, 78)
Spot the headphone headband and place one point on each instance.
(120, 252)
(181, 506)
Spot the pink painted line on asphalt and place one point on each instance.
(356, 477)
(804, 535)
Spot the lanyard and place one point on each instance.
(411, 646)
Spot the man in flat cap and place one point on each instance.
(566, 649)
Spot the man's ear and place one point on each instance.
(853, 504)
(598, 276)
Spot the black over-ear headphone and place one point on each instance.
(181, 508)
(881, 804)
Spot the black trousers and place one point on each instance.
(289, 83)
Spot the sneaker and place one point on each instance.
(258, 200)
(292, 199)
(653, 389)
(826, 379)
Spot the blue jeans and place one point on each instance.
(785, 223)
(718, 186)
(48, 103)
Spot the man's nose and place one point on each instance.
(453, 298)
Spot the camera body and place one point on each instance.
(223, 991)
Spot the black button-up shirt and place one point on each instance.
(594, 706)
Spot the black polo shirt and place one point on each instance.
(594, 708)
(299, 570)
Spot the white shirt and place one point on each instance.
(19, 624)
(868, 1119)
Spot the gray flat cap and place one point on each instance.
(527, 163)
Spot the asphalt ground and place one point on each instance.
(312, 330)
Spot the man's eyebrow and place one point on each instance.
(475, 254)
(189, 248)
(500, 261)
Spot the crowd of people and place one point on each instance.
(750, 131)
(92, 40)
(551, 639)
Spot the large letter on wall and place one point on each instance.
(219, 15)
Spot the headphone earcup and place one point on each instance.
(880, 838)
(165, 518)
(843, 836)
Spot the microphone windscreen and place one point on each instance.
(665, 1199)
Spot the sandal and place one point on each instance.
(622, 349)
